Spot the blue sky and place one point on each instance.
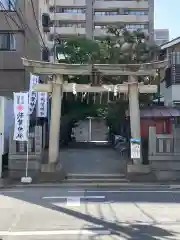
(167, 15)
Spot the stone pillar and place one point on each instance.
(55, 119)
(134, 111)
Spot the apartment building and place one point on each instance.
(161, 36)
(19, 37)
(22, 32)
(170, 85)
(90, 17)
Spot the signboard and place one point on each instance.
(32, 95)
(135, 148)
(42, 104)
(21, 114)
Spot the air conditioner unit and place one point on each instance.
(45, 54)
(46, 22)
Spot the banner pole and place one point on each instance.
(27, 152)
(27, 159)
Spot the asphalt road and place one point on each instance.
(129, 212)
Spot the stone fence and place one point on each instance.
(164, 154)
(18, 154)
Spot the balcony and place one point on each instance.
(68, 3)
(71, 17)
(120, 18)
(101, 32)
(68, 31)
(121, 4)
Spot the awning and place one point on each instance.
(160, 112)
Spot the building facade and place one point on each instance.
(22, 33)
(19, 37)
(170, 85)
(91, 17)
(161, 36)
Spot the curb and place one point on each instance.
(71, 185)
(6, 184)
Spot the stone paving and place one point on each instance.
(94, 161)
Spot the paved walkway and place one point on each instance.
(92, 161)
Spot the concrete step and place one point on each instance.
(83, 179)
(92, 184)
(95, 176)
(94, 180)
(82, 145)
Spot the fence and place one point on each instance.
(18, 154)
(164, 154)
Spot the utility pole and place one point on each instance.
(54, 40)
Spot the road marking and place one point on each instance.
(11, 191)
(73, 202)
(62, 197)
(58, 232)
(174, 186)
(127, 191)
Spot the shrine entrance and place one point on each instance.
(57, 87)
(91, 130)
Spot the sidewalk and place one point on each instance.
(5, 184)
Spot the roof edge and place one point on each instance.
(170, 43)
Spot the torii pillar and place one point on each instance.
(134, 112)
(56, 102)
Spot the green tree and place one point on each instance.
(120, 47)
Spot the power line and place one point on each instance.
(9, 16)
(54, 42)
(23, 25)
(22, 21)
(37, 24)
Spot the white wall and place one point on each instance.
(170, 94)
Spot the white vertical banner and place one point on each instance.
(21, 113)
(32, 94)
(42, 103)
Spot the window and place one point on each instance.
(59, 9)
(7, 42)
(7, 5)
(111, 13)
(73, 10)
(137, 13)
(134, 27)
(59, 23)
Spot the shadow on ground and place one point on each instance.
(125, 230)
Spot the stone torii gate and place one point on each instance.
(57, 86)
